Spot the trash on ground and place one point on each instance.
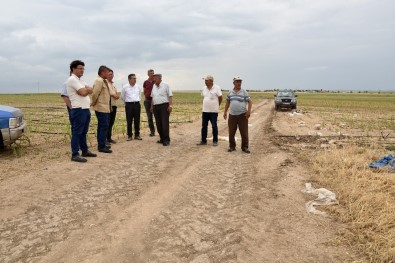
(387, 162)
(311, 133)
(222, 138)
(324, 197)
(294, 113)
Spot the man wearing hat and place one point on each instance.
(161, 107)
(212, 98)
(240, 104)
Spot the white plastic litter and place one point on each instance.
(314, 133)
(324, 197)
(292, 114)
(222, 138)
(302, 124)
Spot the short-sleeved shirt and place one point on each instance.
(160, 94)
(63, 90)
(210, 98)
(77, 101)
(147, 86)
(238, 101)
(131, 93)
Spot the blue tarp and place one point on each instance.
(387, 161)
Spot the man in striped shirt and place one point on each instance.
(240, 104)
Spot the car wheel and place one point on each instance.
(277, 108)
(1, 142)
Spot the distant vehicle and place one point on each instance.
(285, 99)
(12, 125)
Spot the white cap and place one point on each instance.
(209, 77)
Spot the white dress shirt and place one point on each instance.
(131, 93)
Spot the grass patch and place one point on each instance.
(366, 197)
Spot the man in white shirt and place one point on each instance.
(130, 95)
(80, 113)
(161, 106)
(212, 98)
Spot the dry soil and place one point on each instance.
(181, 203)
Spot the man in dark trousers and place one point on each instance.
(80, 115)
(161, 106)
(147, 86)
(239, 104)
(114, 96)
(130, 95)
(101, 105)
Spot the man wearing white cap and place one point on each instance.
(238, 100)
(212, 98)
(161, 107)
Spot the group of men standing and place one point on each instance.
(157, 102)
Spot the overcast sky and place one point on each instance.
(297, 44)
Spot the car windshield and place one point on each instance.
(284, 94)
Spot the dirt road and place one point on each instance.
(182, 203)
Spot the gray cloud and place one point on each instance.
(272, 43)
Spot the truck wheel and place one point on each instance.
(277, 108)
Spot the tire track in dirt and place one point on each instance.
(215, 218)
(183, 203)
(31, 234)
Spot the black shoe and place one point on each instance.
(246, 150)
(138, 138)
(202, 143)
(111, 141)
(215, 143)
(89, 154)
(151, 134)
(105, 150)
(166, 143)
(78, 159)
(231, 150)
(130, 138)
(160, 141)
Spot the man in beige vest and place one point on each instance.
(101, 105)
(114, 107)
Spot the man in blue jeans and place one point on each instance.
(212, 98)
(101, 104)
(80, 115)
